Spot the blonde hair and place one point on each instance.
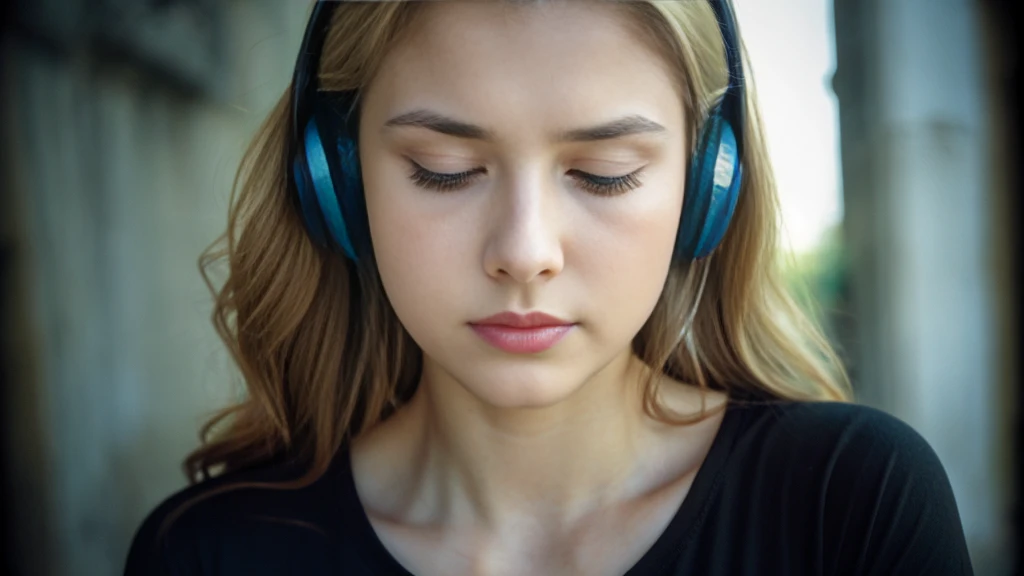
(324, 356)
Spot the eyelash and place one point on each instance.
(597, 185)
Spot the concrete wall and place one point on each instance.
(116, 175)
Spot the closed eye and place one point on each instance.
(607, 185)
(593, 183)
(440, 181)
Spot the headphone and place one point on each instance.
(328, 189)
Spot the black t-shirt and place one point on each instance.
(787, 488)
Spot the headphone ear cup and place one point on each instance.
(308, 205)
(712, 188)
(348, 176)
(325, 193)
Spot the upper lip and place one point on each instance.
(531, 320)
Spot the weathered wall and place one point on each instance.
(117, 174)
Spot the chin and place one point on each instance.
(517, 384)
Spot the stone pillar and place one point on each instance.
(918, 193)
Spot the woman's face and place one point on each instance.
(523, 159)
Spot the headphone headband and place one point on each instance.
(304, 80)
(734, 102)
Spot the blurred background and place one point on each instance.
(122, 122)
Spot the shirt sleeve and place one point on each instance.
(888, 505)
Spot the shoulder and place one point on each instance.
(841, 446)
(833, 428)
(270, 508)
(872, 487)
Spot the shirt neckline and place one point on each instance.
(665, 549)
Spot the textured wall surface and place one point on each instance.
(118, 172)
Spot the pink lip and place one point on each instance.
(522, 334)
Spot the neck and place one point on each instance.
(474, 463)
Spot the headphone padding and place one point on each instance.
(323, 184)
(712, 187)
(308, 204)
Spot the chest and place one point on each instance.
(610, 542)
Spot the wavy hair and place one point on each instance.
(323, 355)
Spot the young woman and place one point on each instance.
(502, 289)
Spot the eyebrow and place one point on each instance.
(625, 126)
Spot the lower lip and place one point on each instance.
(521, 340)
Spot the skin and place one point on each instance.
(539, 463)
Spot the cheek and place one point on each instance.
(416, 255)
(628, 255)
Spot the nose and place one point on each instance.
(525, 244)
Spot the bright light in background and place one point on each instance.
(791, 49)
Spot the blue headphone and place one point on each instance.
(328, 188)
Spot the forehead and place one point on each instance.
(555, 61)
